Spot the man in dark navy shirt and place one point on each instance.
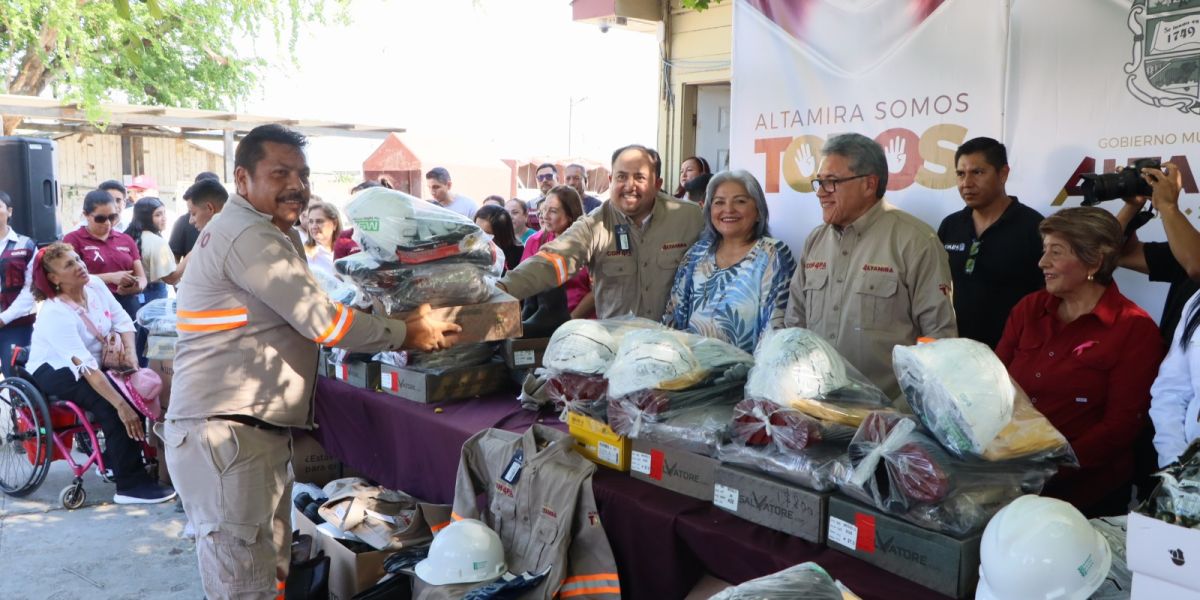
(993, 243)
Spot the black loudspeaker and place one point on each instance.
(27, 175)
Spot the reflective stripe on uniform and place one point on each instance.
(580, 585)
(337, 330)
(212, 320)
(455, 516)
(559, 263)
(439, 527)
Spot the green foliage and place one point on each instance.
(179, 53)
(698, 4)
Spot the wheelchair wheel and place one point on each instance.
(73, 496)
(26, 442)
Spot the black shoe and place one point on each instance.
(144, 493)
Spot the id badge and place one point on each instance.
(623, 238)
(513, 471)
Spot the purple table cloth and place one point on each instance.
(663, 541)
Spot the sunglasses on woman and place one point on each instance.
(113, 218)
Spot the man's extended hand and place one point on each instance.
(426, 333)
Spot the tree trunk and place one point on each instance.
(33, 75)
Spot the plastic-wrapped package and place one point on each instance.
(393, 226)
(805, 581)
(1120, 579)
(577, 358)
(400, 287)
(158, 316)
(896, 467)
(762, 423)
(454, 357)
(675, 387)
(338, 290)
(963, 394)
(796, 368)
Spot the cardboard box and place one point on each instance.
(598, 442)
(525, 354)
(349, 573)
(1163, 551)
(497, 319)
(772, 503)
(942, 563)
(455, 384)
(678, 470)
(357, 373)
(1146, 587)
(311, 463)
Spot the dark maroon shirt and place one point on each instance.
(117, 253)
(1091, 378)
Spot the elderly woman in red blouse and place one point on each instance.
(1086, 355)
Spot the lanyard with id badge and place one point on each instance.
(623, 238)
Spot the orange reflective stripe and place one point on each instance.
(209, 327)
(559, 263)
(207, 314)
(589, 591)
(576, 578)
(212, 320)
(455, 516)
(337, 330)
(439, 526)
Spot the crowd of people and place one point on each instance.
(1039, 291)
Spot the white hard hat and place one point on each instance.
(1041, 548)
(580, 346)
(466, 551)
(795, 363)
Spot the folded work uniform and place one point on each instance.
(539, 499)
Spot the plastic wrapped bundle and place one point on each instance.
(896, 467)
(963, 394)
(805, 581)
(675, 387)
(761, 423)
(787, 444)
(338, 290)
(400, 287)
(393, 226)
(158, 316)
(797, 369)
(577, 358)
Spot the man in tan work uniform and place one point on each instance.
(251, 319)
(873, 276)
(631, 245)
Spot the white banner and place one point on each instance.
(1070, 86)
(918, 77)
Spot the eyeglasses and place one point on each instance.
(545, 177)
(113, 218)
(829, 184)
(970, 266)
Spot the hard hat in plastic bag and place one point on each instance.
(1041, 548)
(580, 346)
(648, 359)
(959, 388)
(388, 223)
(795, 363)
(465, 551)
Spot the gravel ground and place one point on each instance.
(99, 551)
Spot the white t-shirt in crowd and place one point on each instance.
(320, 258)
(157, 258)
(60, 334)
(461, 205)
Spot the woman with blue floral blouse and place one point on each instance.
(733, 283)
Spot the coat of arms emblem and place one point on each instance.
(1165, 70)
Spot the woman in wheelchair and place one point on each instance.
(65, 358)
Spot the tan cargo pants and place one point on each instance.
(235, 484)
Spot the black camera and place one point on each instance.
(1125, 183)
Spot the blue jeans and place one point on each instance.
(13, 335)
(153, 291)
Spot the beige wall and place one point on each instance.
(86, 160)
(699, 46)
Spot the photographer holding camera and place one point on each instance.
(1176, 261)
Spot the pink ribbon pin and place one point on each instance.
(1084, 346)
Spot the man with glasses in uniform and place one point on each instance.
(993, 243)
(872, 276)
